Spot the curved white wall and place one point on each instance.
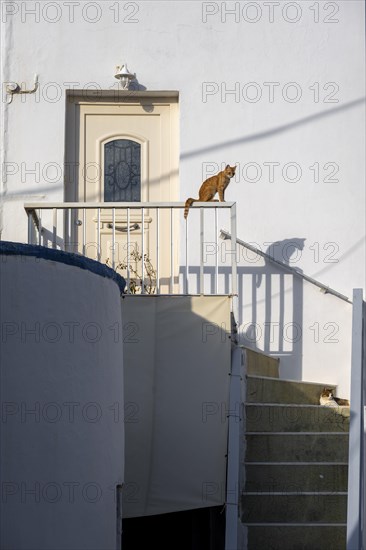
(62, 436)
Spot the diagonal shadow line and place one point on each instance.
(253, 137)
(278, 130)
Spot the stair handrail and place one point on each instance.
(225, 235)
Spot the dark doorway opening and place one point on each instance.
(201, 529)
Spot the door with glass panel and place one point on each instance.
(127, 155)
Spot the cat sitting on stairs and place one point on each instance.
(327, 399)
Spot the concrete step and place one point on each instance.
(296, 471)
(294, 507)
(290, 477)
(297, 537)
(297, 447)
(295, 418)
(260, 364)
(274, 390)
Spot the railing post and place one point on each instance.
(84, 233)
(128, 251)
(98, 236)
(356, 455)
(114, 238)
(39, 228)
(234, 281)
(30, 227)
(201, 250)
(157, 251)
(216, 257)
(234, 266)
(143, 252)
(54, 228)
(235, 434)
(186, 255)
(66, 230)
(171, 252)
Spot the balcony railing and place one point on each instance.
(150, 244)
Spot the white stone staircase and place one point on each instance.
(295, 467)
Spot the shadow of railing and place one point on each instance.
(270, 307)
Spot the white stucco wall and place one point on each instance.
(62, 428)
(309, 330)
(275, 87)
(201, 50)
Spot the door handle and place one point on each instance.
(124, 229)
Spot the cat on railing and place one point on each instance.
(211, 186)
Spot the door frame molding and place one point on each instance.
(76, 98)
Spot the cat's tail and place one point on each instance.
(187, 206)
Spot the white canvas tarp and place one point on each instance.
(176, 365)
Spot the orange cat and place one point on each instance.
(211, 186)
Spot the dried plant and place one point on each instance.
(133, 264)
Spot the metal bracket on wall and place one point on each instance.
(13, 88)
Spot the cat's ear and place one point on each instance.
(227, 166)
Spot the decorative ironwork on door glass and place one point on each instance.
(122, 171)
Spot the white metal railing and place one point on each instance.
(176, 256)
(274, 303)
